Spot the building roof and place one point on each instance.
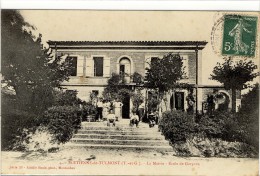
(127, 44)
(147, 43)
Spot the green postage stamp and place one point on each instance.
(239, 35)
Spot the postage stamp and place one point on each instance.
(239, 35)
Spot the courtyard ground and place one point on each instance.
(91, 161)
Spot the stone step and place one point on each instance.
(117, 132)
(119, 137)
(122, 147)
(119, 124)
(120, 128)
(120, 142)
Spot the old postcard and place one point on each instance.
(87, 92)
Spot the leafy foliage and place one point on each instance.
(224, 125)
(209, 135)
(153, 101)
(177, 125)
(13, 123)
(234, 75)
(164, 73)
(63, 121)
(66, 98)
(88, 109)
(26, 67)
(248, 116)
(137, 78)
(33, 74)
(117, 89)
(137, 99)
(250, 101)
(114, 84)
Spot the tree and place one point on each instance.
(29, 69)
(117, 89)
(234, 76)
(137, 78)
(114, 84)
(165, 73)
(248, 117)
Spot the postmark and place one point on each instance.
(226, 42)
(239, 35)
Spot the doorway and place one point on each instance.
(126, 107)
(179, 101)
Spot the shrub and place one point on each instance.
(249, 128)
(88, 109)
(13, 124)
(177, 126)
(63, 121)
(137, 78)
(66, 98)
(222, 125)
(248, 117)
(210, 127)
(137, 99)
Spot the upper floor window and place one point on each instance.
(125, 66)
(73, 65)
(185, 60)
(98, 66)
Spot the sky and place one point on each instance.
(93, 25)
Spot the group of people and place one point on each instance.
(105, 108)
(153, 116)
(110, 111)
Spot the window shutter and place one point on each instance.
(89, 67)
(185, 60)
(80, 62)
(106, 67)
(147, 63)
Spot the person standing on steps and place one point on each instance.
(105, 109)
(99, 109)
(141, 110)
(118, 105)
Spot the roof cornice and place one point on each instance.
(127, 44)
(132, 43)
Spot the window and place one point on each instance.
(122, 69)
(185, 60)
(125, 66)
(73, 65)
(98, 66)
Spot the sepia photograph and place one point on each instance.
(117, 92)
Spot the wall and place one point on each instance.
(138, 58)
(84, 84)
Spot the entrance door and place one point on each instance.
(126, 107)
(171, 102)
(179, 101)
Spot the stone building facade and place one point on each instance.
(95, 61)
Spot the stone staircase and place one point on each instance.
(122, 136)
